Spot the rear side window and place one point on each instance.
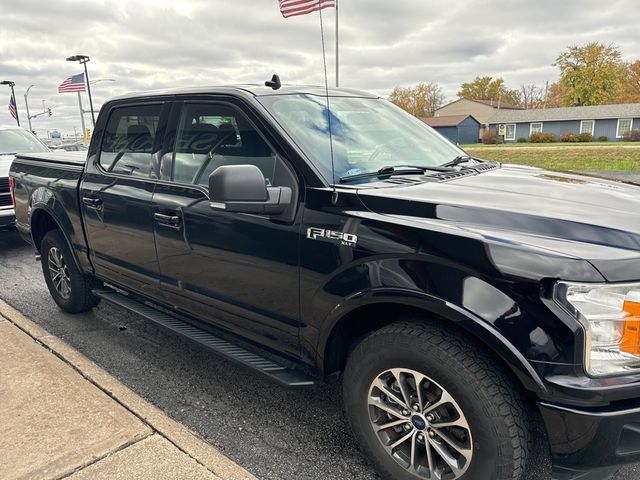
(129, 143)
(212, 135)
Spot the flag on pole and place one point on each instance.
(74, 83)
(13, 108)
(291, 8)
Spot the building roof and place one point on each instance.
(498, 105)
(594, 112)
(447, 120)
(490, 103)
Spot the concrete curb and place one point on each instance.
(174, 432)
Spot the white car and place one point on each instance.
(13, 140)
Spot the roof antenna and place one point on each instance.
(334, 194)
(274, 82)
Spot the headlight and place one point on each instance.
(611, 316)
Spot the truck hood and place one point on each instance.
(579, 216)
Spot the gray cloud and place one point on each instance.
(160, 43)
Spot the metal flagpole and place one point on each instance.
(337, 50)
(84, 130)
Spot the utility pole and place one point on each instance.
(26, 104)
(337, 50)
(81, 114)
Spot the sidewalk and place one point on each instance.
(62, 416)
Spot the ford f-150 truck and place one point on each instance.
(319, 236)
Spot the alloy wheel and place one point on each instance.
(59, 272)
(420, 425)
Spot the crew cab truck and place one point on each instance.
(317, 235)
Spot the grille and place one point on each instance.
(4, 185)
(5, 200)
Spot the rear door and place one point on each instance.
(237, 270)
(116, 196)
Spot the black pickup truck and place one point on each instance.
(323, 237)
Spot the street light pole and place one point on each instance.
(26, 104)
(13, 96)
(83, 59)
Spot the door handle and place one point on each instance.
(172, 221)
(92, 202)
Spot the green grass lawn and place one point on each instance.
(563, 156)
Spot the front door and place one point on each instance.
(239, 271)
(116, 197)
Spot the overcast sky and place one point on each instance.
(147, 44)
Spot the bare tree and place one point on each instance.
(532, 96)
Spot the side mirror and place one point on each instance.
(243, 189)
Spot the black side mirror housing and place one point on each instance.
(243, 189)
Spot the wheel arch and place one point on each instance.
(353, 320)
(43, 221)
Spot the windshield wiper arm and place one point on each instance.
(390, 170)
(458, 160)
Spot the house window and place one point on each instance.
(535, 128)
(510, 131)
(624, 127)
(587, 126)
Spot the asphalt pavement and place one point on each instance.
(273, 432)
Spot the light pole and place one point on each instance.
(13, 96)
(83, 59)
(26, 104)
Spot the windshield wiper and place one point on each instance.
(390, 170)
(458, 160)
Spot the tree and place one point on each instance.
(532, 96)
(630, 89)
(556, 96)
(591, 74)
(489, 88)
(421, 101)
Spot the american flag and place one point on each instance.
(13, 108)
(74, 83)
(291, 8)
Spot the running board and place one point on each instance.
(280, 373)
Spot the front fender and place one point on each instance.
(433, 306)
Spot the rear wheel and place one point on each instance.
(69, 287)
(425, 404)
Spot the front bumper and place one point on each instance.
(589, 443)
(7, 218)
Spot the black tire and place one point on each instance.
(490, 401)
(78, 297)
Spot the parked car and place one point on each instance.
(316, 238)
(13, 140)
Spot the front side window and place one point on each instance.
(624, 127)
(510, 131)
(129, 139)
(587, 126)
(368, 134)
(213, 135)
(536, 128)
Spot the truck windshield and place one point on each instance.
(16, 140)
(368, 134)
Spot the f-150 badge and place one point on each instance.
(340, 238)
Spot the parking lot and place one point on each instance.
(273, 432)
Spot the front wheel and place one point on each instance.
(425, 404)
(69, 287)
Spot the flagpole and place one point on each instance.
(337, 50)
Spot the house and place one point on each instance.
(458, 129)
(611, 121)
(481, 110)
